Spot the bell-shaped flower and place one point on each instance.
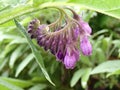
(85, 46)
(62, 38)
(71, 57)
(85, 26)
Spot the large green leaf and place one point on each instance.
(108, 7)
(16, 11)
(108, 66)
(36, 53)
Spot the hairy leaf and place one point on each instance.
(108, 7)
(108, 66)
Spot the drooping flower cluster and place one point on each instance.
(65, 41)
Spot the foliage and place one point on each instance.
(26, 66)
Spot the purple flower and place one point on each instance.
(85, 46)
(61, 49)
(84, 26)
(69, 61)
(71, 57)
(62, 39)
(35, 29)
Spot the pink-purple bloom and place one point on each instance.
(85, 46)
(63, 42)
(71, 57)
(85, 27)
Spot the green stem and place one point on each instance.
(60, 9)
(58, 20)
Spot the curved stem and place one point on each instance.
(67, 17)
(58, 20)
(60, 9)
(76, 16)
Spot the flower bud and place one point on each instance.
(85, 26)
(85, 46)
(71, 57)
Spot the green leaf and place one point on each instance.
(53, 67)
(33, 67)
(38, 87)
(108, 66)
(7, 36)
(36, 53)
(77, 75)
(116, 43)
(9, 2)
(85, 77)
(3, 87)
(17, 82)
(85, 60)
(12, 12)
(8, 49)
(100, 55)
(9, 86)
(117, 72)
(6, 15)
(24, 63)
(100, 32)
(106, 42)
(15, 55)
(3, 63)
(108, 7)
(38, 2)
(18, 41)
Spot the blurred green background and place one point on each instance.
(20, 70)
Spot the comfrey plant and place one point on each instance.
(64, 38)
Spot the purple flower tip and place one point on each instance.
(85, 46)
(85, 27)
(69, 61)
(71, 58)
(60, 56)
